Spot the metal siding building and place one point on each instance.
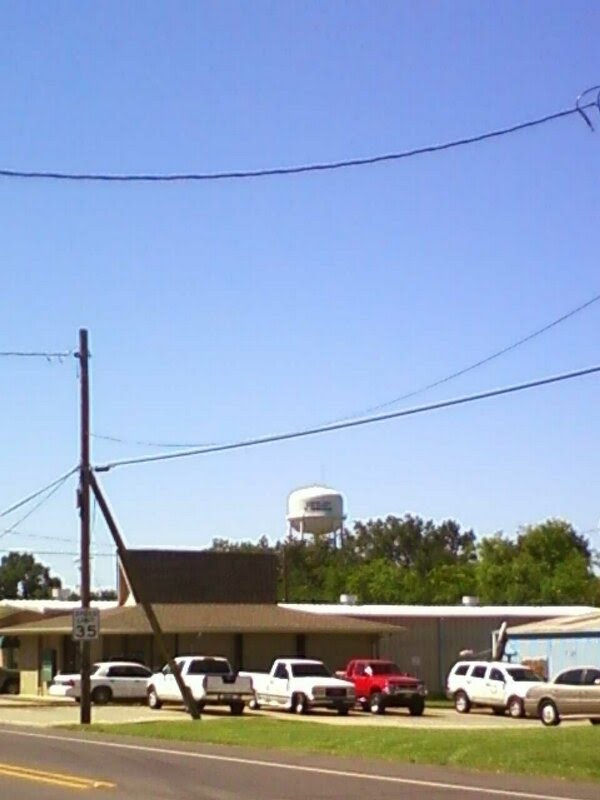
(431, 638)
(561, 643)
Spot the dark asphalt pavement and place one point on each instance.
(67, 764)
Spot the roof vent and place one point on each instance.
(470, 600)
(348, 599)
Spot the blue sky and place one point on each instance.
(223, 311)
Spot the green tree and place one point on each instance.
(413, 543)
(21, 576)
(549, 563)
(495, 569)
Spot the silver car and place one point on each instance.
(573, 692)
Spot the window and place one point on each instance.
(592, 677)
(461, 669)
(310, 670)
(478, 671)
(280, 671)
(496, 675)
(208, 666)
(388, 668)
(134, 672)
(116, 672)
(523, 674)
(570, 677)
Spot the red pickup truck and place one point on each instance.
(380, 684)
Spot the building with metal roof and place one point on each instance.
(434, 637)
(557, 643)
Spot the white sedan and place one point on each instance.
(109, 680)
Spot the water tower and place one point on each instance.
(316, 511)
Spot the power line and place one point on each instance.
(371, 409)
(31, 535)
(37, 493)
(304, 168)
(174, 445)
(347, 424)
(39, 504)
(58, 553)
(49, 356)
(479, 363)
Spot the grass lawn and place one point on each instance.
(566, 752)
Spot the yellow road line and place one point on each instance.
(53, 778)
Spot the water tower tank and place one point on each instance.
(317, 510)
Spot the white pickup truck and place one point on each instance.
(210, 679)
(299, 684)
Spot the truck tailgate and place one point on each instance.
(219, 684)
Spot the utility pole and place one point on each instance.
(139, 591)
(84, 513)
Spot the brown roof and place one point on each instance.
(210, 618)
(14, 616)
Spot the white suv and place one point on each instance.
(498, 685)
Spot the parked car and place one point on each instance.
(381, 684)
(211, 680)
(299, 684)
(574, 691)
(109, 680)
(10, 681)
(498, 685)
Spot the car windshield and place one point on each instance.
(523, 674)
(388, 668)
(313, 670)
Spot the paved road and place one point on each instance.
(51, 765)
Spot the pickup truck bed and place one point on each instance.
(210, 679)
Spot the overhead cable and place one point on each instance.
(372, 409)
(37, 493)
(578, 109)
(347, 424)
(479, 363)
(32, 510)
(56, 552)
(171, 445)
(30, 535)
(49, 356)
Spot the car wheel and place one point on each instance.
(595, 721)
(377, 705)
(548, 713)
(236, 708)
(11, 687)
(416, 707)
(343, 711)
(101, 695)
(153, 699)
(300, 704)
(462, 703)
(515, 707)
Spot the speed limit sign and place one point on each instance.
(86, 624)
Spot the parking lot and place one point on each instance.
(38, 711)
